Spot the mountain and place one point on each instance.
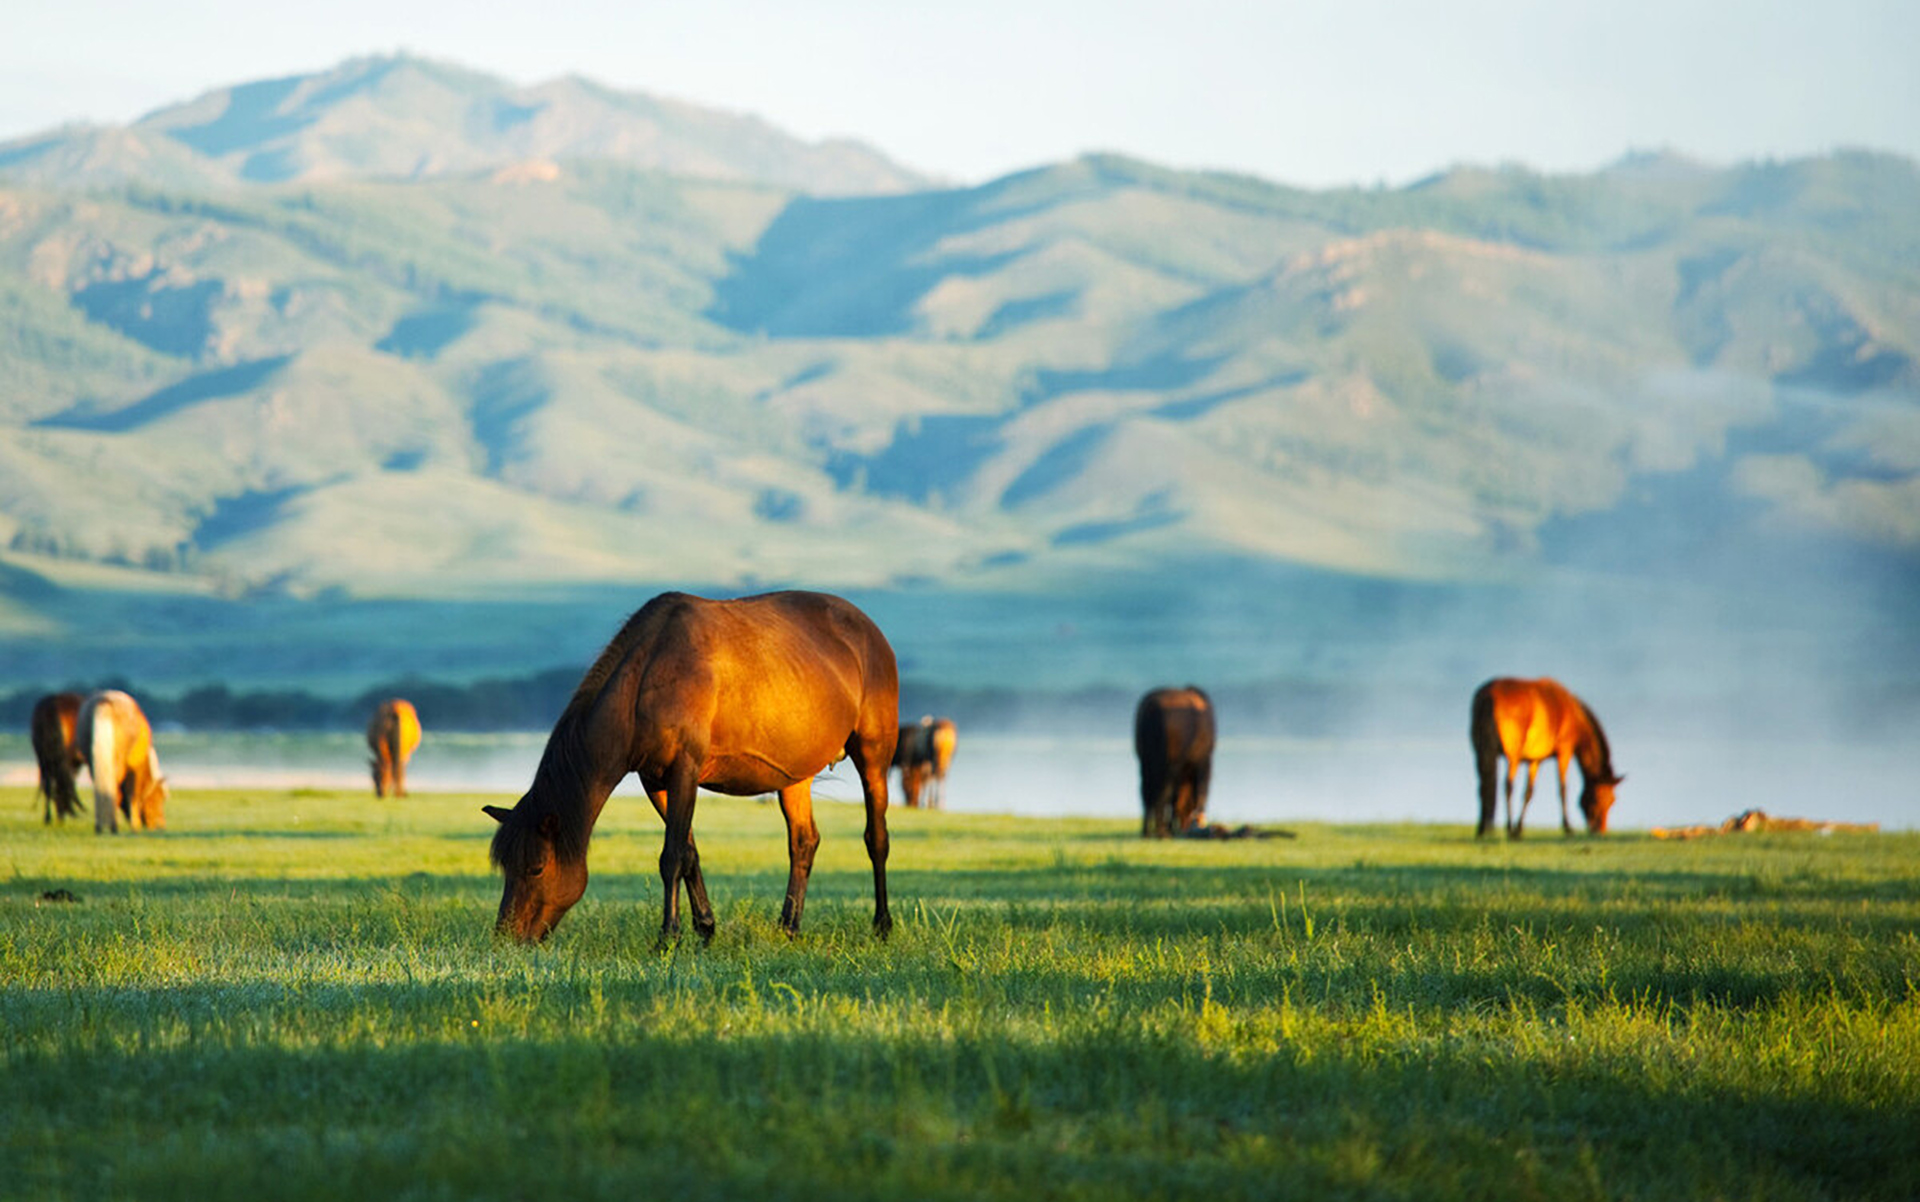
(403, 117)
(328, 384)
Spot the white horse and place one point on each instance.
(118, 742)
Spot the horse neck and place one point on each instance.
(578, 772)
(1591, 751)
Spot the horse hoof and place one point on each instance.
(883, 926)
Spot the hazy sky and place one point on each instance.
(1320, 92)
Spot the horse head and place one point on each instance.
(540, 886)
(1596, 799)
(151, 805)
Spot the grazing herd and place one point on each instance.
(108, 735)
(759, 695)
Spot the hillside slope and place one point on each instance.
(478, 384)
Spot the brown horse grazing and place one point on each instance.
(113, 734)
(743, 697)
(392, 734)
(1528, 721)
(923, 754)
(53, 747)
(913, 756)
(1173, 733)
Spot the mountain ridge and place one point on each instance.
(578, 374)
(402, 116)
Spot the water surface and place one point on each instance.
(1256, 779)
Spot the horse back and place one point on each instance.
(763, 689)
(1174, 726)
(1535, 719)
(407, 721)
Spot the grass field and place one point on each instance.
(297, 995)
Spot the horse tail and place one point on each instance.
(103, 761)
(1485, 732)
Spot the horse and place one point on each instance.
(923, 754)
(913, 756)
(1173, 734)
(742, 697)
(1528, 721)
(392, 734)
(113, 734)
(59, 758)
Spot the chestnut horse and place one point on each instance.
(749, 696)
(392, 734)
(1528, 721)
(1173, 734)
(923, 754)
(59, 758)
(113, 734)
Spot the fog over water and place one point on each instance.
(1257, 779)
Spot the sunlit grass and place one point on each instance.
(297, 994)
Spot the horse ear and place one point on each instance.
(1621, 779)
(496, 813)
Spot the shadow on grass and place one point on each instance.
(1101, 1111)
(1431, 939)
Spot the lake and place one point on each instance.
(1256, 779)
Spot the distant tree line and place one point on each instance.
(1294, 708)
(533, 702)
(521, 703)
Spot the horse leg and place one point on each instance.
(1533, 774)
(1202, 779)
(870, 758)
(1488, 767)
(1566, 825)
(1511, 766)
(803, 839)
(702, 910)
(682, 788)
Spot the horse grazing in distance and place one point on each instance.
(1173, 734)
(52, 727)
(923, 754)
(392, 735)
(913, 756)
(1528, 721)
(113, 734)
(749, 696)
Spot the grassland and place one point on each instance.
(297, 995)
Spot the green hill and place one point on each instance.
(303, 370)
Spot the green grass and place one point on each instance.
(297, 995)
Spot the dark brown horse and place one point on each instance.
(1173, 733)
(59, 757)
(923, 755)
(1528, 721)
(741, 697)
(392, 734)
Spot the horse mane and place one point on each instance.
(1599, 737)
(560, 783)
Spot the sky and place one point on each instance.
(1315, 93)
